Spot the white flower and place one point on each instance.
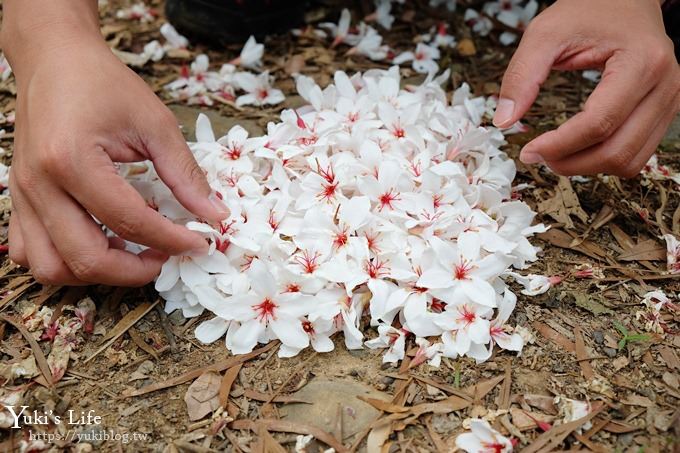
(251, 55)
(258, 88)
(370, 44)
(382, 14)
(392, 339)
(138, 11)
(153, 51)
(424, 58)
(672, 253)
(480, 24)
(483, 439)
(534, 284)
(340, 32)
(173, 39)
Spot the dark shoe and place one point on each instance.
(224, 21)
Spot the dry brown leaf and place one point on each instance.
(202, 396)
(648, 250)
(377, 437)
(35, 347)
(291, 427)
(383, 405)
(227, 383)
(193, 374)
(554, 336)
(563, 204)
(582, 355)
(523, 420)
(637, 400)
(562, 239)
(553, 438)
(129, 320)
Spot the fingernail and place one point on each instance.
(503, 113)
(202, 251)
(216, 200)
(529, 157)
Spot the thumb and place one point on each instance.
(177, 167)
(527, 70)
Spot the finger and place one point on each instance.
(627, 151)
(43, 258)
(17, 251)
(86, 251)
(603, 113)
(97, 186)
(178, 169)
(527, 70)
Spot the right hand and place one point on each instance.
(79, 110)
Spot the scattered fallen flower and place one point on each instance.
(138, 11)
(482, 439)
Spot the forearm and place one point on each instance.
(33, 28)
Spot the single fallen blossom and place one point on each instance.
(174, 40)
(672, 253)
(479, 24)
(153, 51)
(424, 58)
(654, 302)
(251, 55)
(340, 31)
(394, 203)
(370, 44)
(655, 171)
(382, 14)
(535, 284)
(138, 11)
(482, 438)
(258, 88)
(572, 410)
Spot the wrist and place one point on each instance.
(33, 30)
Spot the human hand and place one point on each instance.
(78, 111)
(627, 114)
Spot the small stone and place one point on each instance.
(387, 380)
(598, 336)
(611, 352)
(626, 439)
(177, 318)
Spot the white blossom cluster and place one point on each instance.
(372, 199)
(199, 85)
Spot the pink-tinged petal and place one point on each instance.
(204, 132)
(436, 278)
(169, 274)
(211, 330)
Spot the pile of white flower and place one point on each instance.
(372, 199)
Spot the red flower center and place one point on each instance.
(265, 310)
